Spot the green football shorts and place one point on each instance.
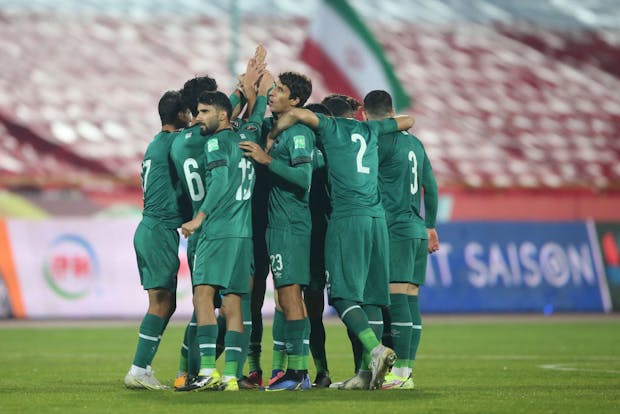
(157, 252)
(290, 257)
(225, 263)
(408, 261)
(357, 260)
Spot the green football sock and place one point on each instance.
(279, 348)
(193, 350)
(356, 320)
(387, 332)
(401, 328)
(375, 321)
(416, 332)
(352, 316)
(148, 339)
(184, 351)
(294, 339)
(369, 341)
(233, 347)
(357, 348)
(246, 315)
(207, 337)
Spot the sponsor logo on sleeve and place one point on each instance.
(213, 145)
(299, 141)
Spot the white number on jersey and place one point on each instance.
(244, 191)
(193, 179)
(360, 153)
(414, 171)
(146, 167)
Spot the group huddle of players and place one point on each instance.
(313, 196)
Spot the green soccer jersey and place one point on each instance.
(288, 198)
(229, 183)
(404, 170)
(350, 148)
(187, 154)
(159, 183)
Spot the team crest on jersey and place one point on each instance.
(188, 135)
(299, 141)
(213, 145)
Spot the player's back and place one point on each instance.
(350, 148)
(188, 156)
(159, 191)
(403, 164)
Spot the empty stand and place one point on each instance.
(495, 109)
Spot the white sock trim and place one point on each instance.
(149, 338)
(347, 310)
(201, 346)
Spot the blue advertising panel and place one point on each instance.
(514, 267)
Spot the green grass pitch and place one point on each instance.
(465, 365)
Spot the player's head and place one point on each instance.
(339, 107)
(193, 88)
(292, 90)
(214, 112)
(318, 108)
(378, 105)
(355, 104)
(172, 111)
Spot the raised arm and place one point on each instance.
(248, 81)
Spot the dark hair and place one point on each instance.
(319, 109)
(378, 104)
(339, 107)
(298, 84)
(218, 99)
(355, 104)
(193, 88)
(170, 104)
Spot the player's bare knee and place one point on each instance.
(399, 288)
(413, 290)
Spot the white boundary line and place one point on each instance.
(565, 367)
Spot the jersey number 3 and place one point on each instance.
(414, 171)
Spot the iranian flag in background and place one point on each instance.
(348, 56)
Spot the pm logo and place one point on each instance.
(71, 267)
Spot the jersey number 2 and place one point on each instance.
(360, 154)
